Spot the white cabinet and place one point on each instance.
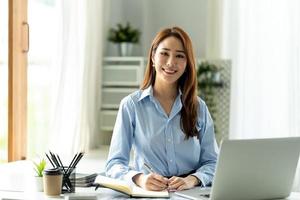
(121, 76)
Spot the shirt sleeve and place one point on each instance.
(117, 165)
(209, 147)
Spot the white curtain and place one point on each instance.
(77, 77)
(262, 39)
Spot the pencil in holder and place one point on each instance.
(69, 173)
(69, 177)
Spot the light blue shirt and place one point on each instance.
(158, 140)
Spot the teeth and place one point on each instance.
(169, 70)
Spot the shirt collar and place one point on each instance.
(149, 92)
(146, 92)
(179, 92)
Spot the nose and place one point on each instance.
(171, 61)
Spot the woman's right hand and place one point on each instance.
(151, 181)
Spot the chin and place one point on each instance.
(173, 81)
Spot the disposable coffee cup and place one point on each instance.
(53, 181)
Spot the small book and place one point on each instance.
(85, 177)
(124, 187)
(83, 180)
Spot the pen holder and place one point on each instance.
(68, 182)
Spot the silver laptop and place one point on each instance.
(252, 169)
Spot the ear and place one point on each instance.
(152, 58)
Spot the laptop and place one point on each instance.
(252, 169)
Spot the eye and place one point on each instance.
(180, 56)
(163, 53)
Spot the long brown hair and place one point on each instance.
(187, 82)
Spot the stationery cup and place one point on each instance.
(69, 177)
(53, 181)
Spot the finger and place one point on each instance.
(160, 178)
(176, 184)
(158, 183)
(186, 184)
(174, 180)
(154, 187)
(182, 187)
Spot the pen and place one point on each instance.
(50, 160)
(148, 168)
(70, 165)
(97, 186)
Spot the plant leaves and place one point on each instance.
(39, 167)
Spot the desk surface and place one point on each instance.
(89, 193)
(16, 183)
(81, 193)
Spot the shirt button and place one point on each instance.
(171, 160)
(169, 140)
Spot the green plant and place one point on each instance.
(208, 76)
(39, 167)
(124, 33)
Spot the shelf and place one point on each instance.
(121, 77)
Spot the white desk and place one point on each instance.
(16, 182)
(89, 193)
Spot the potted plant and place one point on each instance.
(209, 80)
(125, 36)
(39, 168)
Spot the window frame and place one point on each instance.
(18, 46)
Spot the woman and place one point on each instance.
(168, 126)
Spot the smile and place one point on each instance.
(169, 71)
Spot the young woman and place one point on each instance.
(168, 126)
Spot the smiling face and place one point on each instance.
(169, 60)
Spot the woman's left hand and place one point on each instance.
(178, 183)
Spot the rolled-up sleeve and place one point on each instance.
(117, 165)
(209, 147)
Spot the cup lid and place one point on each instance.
(53, 171)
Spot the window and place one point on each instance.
(13, 79)
(43, 21)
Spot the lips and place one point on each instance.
(169, 70)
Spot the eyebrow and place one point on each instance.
(180, 51)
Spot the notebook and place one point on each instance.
(253, 169)
(124, 187)
(83, 180)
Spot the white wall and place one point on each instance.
(152, 15)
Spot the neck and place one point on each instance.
(165, 91)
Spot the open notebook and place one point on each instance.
(124, 187)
